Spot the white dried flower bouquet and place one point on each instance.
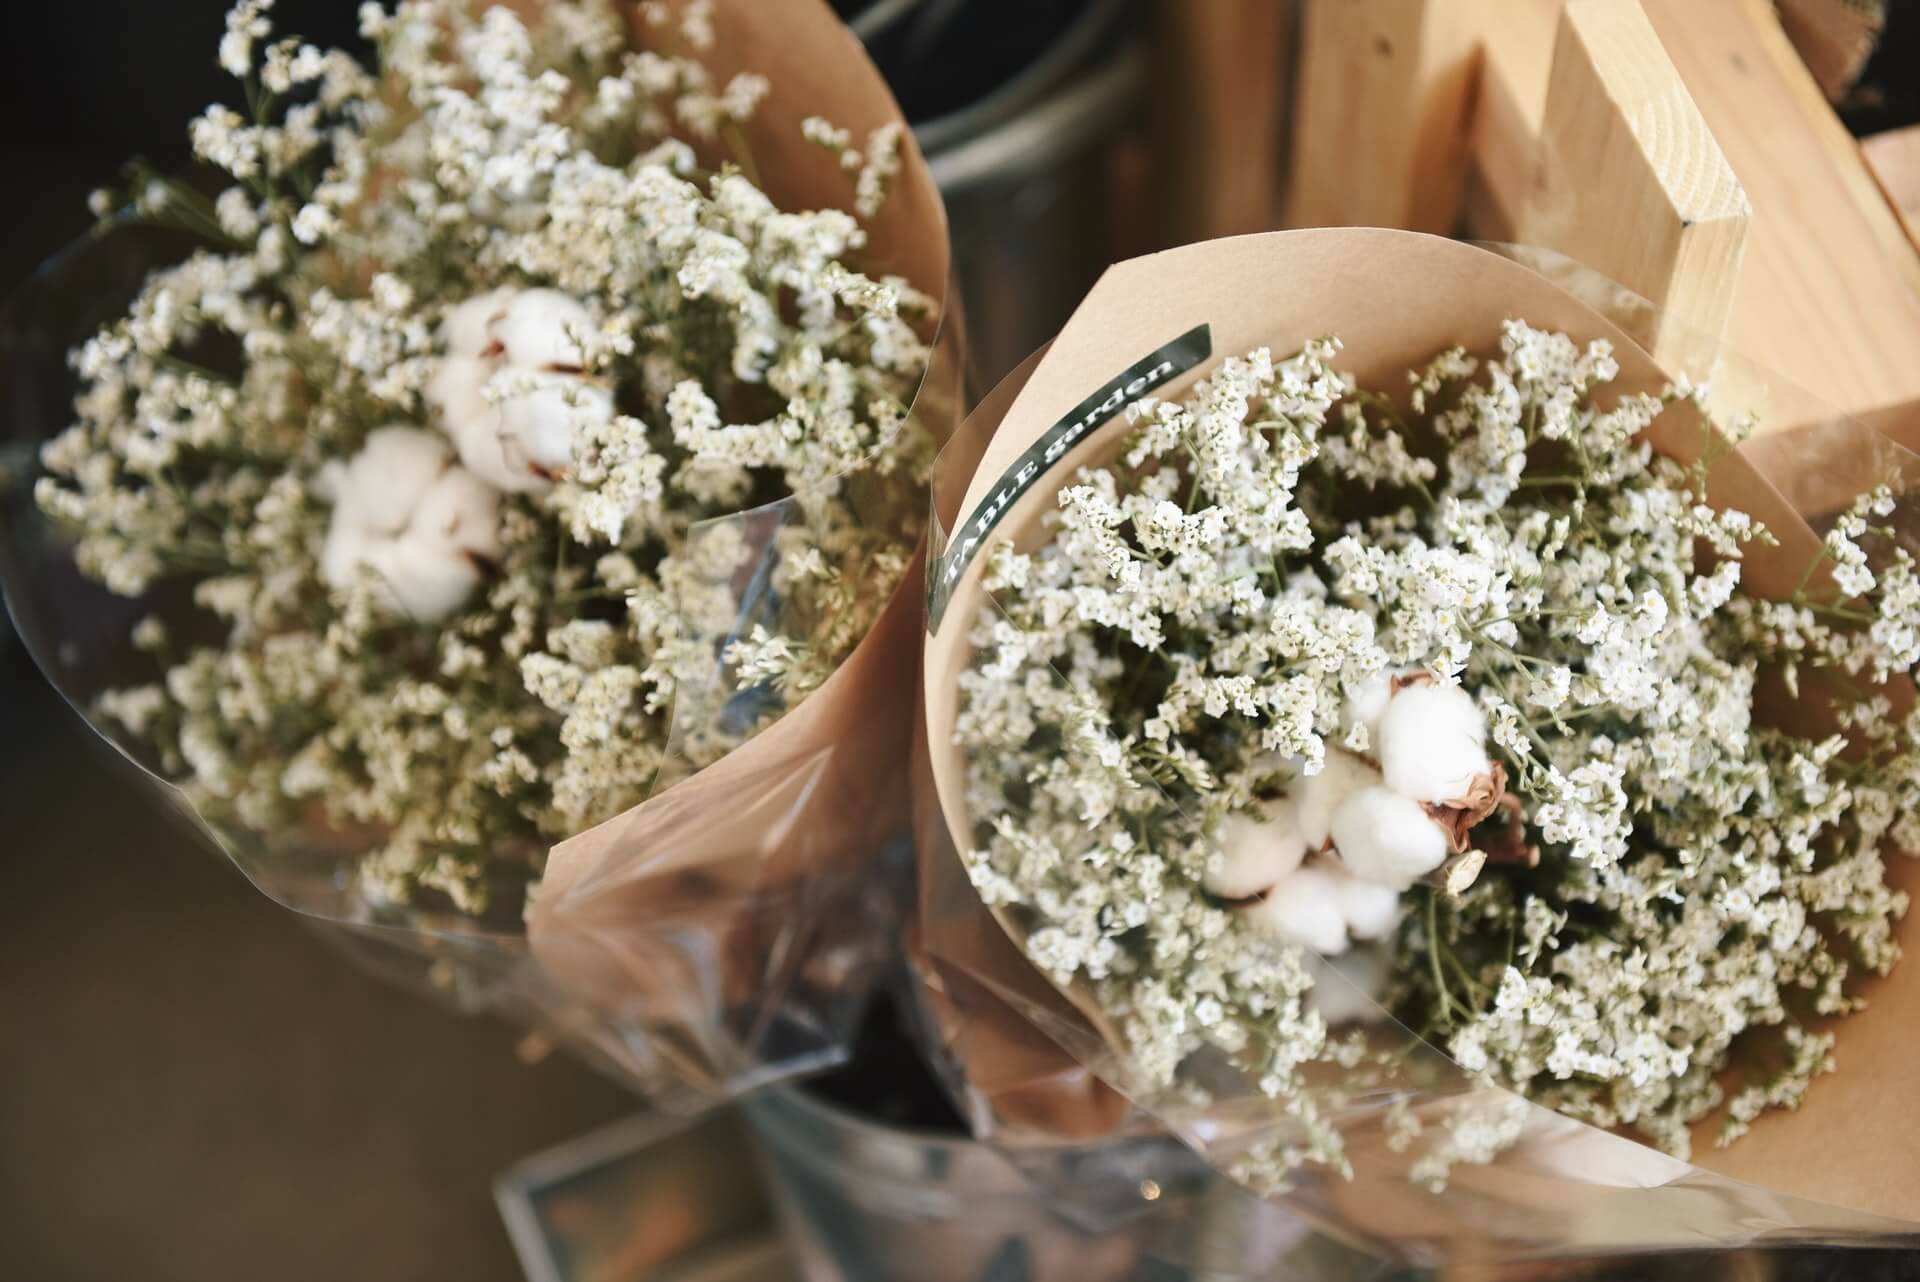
(478, 338)
(1448, 703)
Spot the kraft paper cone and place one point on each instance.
(706, 905)
(1847, 1164)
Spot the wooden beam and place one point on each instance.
(1221, 113)
(1828, 301)
(1825, 314)
(1379, 135)
(1630, 182)
(1516, 58)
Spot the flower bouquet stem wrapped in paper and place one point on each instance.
(1381, 729)
(524, 452)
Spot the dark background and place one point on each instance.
(193, 1086)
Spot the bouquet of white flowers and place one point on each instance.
(526, 428)
(1377, 739)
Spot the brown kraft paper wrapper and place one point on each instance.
(676, 936)
(1845, 1166)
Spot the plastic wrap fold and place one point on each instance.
(1038, 1063)
(725, 931)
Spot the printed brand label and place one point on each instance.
(1113, 397)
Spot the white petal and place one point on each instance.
(1305, 910)
(1432, 742)
(1347, 988)
(1387, 838)
(464, 330)
(537, 330)
(1256, 853)
(1320, 795)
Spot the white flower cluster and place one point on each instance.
(1301, 661)
(476, 349)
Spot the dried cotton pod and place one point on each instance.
(1432, 742)
(1305, 909)
(517, 435)
(538, 329)
(405, 512)
(1387, 838)
(1319, 795)
(1256, 853)
(466, 329)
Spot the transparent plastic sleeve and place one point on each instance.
(723, 932)
(1036, 1062)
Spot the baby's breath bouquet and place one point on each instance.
(1393, 727)
(529, 422)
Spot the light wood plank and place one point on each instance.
(1828, 299)
(1379, 136)
(1826, 309)
(1516, 59)
(1630, 182)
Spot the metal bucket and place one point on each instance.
(1036, 176)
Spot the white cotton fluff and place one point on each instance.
(537, 328)
(1387, 838)
(1319, 795)
(415, 520)
(1304, 909)
(1366, 702)
(1347, 988)
(466, 329)
(517, 442)
(538, 427)
(1371, 910)
(1432, 742)
(376, 490)
(1256, 853)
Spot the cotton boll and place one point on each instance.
(1305, 910)
(1347, 988)
(461, 514)
(1368, 701)
(1371, 910)
(384, 480)
(1319, 795)
(347, 548)
(1432, 742)
(1255, 853)
(414, 521)
(538, 427)
(1387, 838)
(536, 330)
(419, 579)
(466, 328)
(457, 393)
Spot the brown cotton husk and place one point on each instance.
(1459, 817)
(1846, 1166)
(720, 932)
